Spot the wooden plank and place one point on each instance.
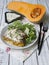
(32, 60)
(1, 9)
(16, 0)
(43, 59)
(0, 16)
(30, 1)
(3, 13)
(1, 4)
(9, 1)
(29, 61)
(3, 59)
(15, 61)
(4, 10)
(43, 2)
(48, 42)
(46, 4)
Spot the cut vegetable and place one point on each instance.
(34, 12)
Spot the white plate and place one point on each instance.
(16, 47)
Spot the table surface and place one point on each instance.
(43, 59)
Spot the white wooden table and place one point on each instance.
(43, 59)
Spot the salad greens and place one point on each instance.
(28, 29)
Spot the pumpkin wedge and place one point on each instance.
(33, 12)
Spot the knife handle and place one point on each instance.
(39, 38)
(40, 47)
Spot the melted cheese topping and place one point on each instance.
(12, 35)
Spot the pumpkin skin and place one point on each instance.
(25, 9)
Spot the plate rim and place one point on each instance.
(16, 47)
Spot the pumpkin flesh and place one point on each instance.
(26, 9)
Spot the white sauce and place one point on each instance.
(12, 35)
(11, 16)
(27, 31)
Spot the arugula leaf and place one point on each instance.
(31, 35)
(15, 24)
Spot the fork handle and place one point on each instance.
(39, 38)
(40, 47)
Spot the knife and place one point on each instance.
(45, 29)
(39, 38)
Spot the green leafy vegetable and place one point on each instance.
(28, 29)
(15, 24)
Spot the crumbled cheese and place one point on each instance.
(12, 35)
(27, 31)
